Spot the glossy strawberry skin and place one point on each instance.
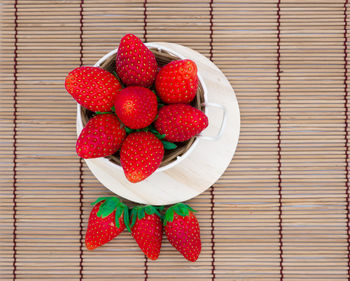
(177, 82)
(148, 232)
(92, 87)
(102, 136)
(184, 234)
(180, 122)
(140, 155)
(136, 65)
(102, 230)
(136, 107)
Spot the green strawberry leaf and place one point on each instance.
(141, 213)
(157, 134)
(160, 208)
(178, 210)
(158, 98)
(127, 218)
(169, 145)
(150, 210)
(108, 207)
(189, 208)
(101, 113)
(153, 130)
(118, 212)
(117, 224)
(184, 211)
(181, 209)
(128, 130)
(99, 200)
(113, 109)
(169, 216)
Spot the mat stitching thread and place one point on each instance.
(212, 195)
(212, 234)
(80, 160)
(211, 29)
(145, 20)
(346, 131)
(146, 268)
(145, 40)
(14, 201)
(279, 138)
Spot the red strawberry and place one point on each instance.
(180, 122)
(136, 65)
(93, 87)
(136, 107)
(147, 230)
(140, 155)
(182, 230)
(107, 220)
(102, 136)
(177, 82)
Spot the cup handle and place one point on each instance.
(223, 123)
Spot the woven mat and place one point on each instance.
(281, 210)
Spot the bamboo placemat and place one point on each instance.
(281, 210)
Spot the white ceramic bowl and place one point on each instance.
(206, 105)
(206, 160)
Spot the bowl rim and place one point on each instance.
(205, 94)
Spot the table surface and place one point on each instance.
(280, 211)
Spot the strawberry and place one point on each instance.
(93, 87)
(180, 122)
(136, 107)
(182, 230)
(177, 82)
(147, 230)
(102, 136)
(140, 155)
(107, 220)
(136, 65)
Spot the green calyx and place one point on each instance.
(139, 212)
(180, 208)
(107, 112)
(168, 145)
(157, 134)
(110, 205)
(101, 113)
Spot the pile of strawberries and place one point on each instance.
(109, 217)
(140, 109)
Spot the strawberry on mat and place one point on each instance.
(102, 136)
(147, 229)
(92, 87)
(136, 65)
(140, 155)
(180, 122)
(182, 230)
(107, 220)
(177, 82)
(136, 107)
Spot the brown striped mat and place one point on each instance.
(281, 210)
